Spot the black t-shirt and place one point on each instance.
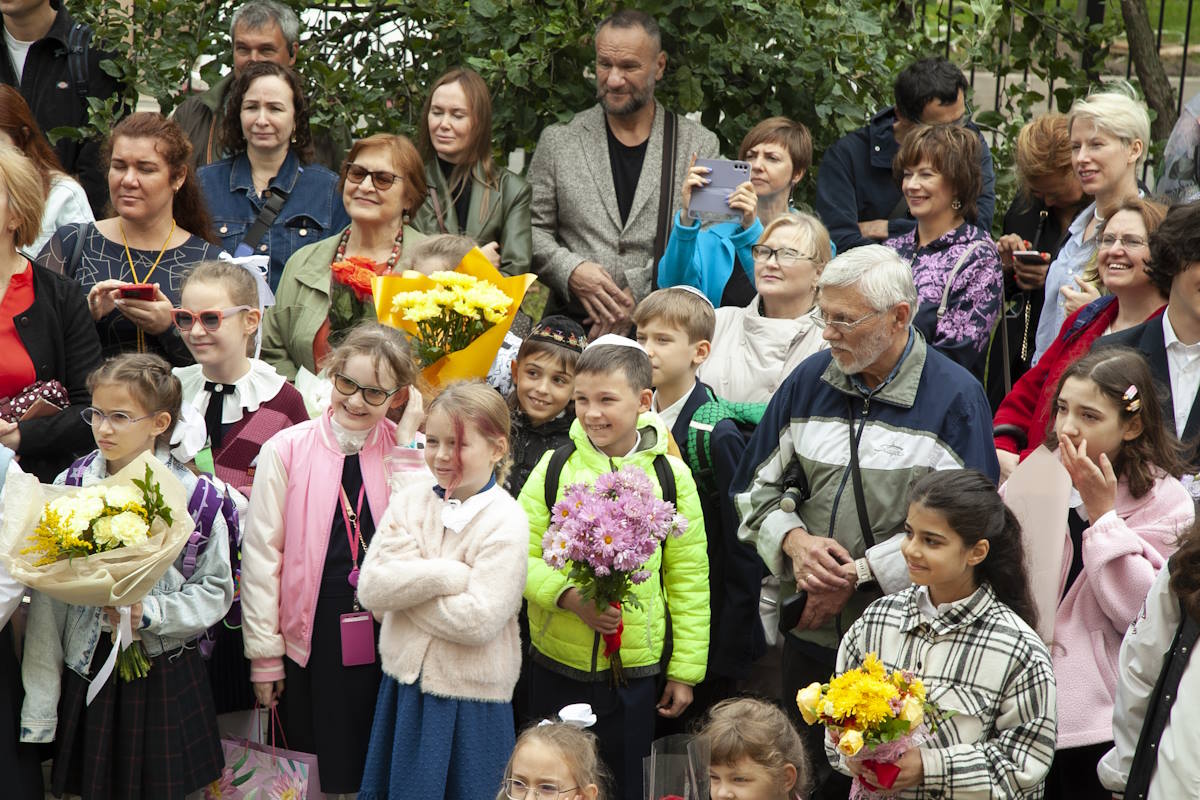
(462, 203)
(626, 163)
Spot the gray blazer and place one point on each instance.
(575, 216)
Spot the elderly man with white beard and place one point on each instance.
(864, 419)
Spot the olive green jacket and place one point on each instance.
(507, 221)
(302, 305)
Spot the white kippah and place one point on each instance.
(617, 340)
(694, 291)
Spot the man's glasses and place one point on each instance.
(381, 179)
(519, 790)
(210, 320)
(784, 256)
(119, 420)
(373, 395)
(843, 326)
(1130, 242)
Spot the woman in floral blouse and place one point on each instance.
(955, 265)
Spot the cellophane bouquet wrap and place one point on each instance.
(350, 294)
(101, 545)
(605, 533)
(872, 718)
(456, 321)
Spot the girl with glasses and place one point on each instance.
(154, 736)
(382, 185)
(232, 404)
(266, 198)
(555, 760)
(319, 488)
(756, 346)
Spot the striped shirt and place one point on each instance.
(979, 659)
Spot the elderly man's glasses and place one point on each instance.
(381, 179)
(784, 256)
(519, 790)
(843, 326)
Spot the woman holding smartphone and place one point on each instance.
(160, 230)
(779, 151)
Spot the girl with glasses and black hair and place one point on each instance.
(382, 185)
(319, 488)
(232, 404)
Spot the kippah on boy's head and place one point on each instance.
(611, 354)
(680, 307)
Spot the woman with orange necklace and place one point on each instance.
(161, 229)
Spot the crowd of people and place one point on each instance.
(834, 399)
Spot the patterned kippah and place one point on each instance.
(559, 330)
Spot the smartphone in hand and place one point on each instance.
(137, 291)
(711, 201)
(1031, 257)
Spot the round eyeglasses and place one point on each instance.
(519, 790)
(119, 420)
(373, 395)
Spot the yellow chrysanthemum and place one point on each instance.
(463, 308)
(874, 667)
(453, 278)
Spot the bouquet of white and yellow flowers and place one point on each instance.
(101, 545)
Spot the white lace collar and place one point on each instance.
(259, 385)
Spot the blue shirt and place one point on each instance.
(313, 210)
(1070, 262)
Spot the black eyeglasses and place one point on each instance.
(373, 395)
(381, 179)
(784, 256)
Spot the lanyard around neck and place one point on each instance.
(353, 532)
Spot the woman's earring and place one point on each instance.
(956, 204)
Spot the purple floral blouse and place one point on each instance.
(963, 331)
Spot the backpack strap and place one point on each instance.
(958, 265)
(204, 505)
(78, 41)
(74, 476)
(558, 459)
(666, 479)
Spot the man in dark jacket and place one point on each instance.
(38, 38)
(261, 30)
(858, 198)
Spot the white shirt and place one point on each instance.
(1183, 364)
(671, 413)
(17, 50)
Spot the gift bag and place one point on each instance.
(255, 771)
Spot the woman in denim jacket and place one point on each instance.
(267, 126)
(154, 736)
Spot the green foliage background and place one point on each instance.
(827, 63)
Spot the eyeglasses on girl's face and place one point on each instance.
(119, 420)
(373, 395)
(210, 320)
(381, 179)
(519, 790)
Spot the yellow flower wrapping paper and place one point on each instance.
(475, 359)
(118, 577)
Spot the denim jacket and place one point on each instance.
(312, 212)
(173, 614)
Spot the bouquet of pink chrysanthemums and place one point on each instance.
(606, 533)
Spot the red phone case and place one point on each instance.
(138, 291)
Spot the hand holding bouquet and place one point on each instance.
(872, 717)
(103, 545)
(606, 533)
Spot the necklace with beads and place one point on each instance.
(397, 248)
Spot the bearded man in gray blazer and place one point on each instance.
(597, 181)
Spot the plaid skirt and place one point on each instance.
(154, 738)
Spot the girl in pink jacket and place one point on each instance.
(1128, 511)
(318, 489)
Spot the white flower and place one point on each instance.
(81, 508)
(121, 496)
(121, 530)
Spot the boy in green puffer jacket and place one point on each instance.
(614, 428)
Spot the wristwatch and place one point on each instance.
(865, 579)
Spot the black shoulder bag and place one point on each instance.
(263, 222)
(666, 194)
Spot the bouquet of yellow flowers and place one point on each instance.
(101, 545)
(871, 716)
(456, 320)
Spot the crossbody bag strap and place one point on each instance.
(437, 209)
(954, 274)
(265, 219)
(666, 192)
(860, 498)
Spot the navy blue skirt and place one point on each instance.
(425, 747)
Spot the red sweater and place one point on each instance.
(1027, 406)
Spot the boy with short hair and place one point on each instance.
(676, 325)
(614, 428)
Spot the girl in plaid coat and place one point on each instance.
(965, 629)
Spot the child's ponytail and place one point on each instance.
(974, 510)
(1122, 375)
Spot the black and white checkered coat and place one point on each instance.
(979, 659)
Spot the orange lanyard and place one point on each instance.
(141, 336)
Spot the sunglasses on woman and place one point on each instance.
(210, 320)
(381, 179)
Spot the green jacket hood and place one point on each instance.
(652, 441)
